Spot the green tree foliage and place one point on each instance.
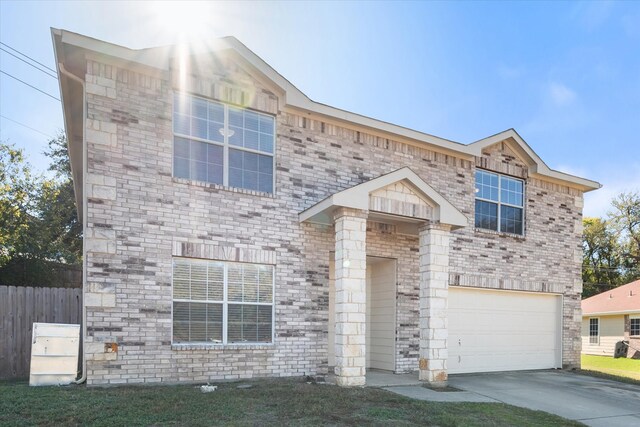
(39, 228)
(17, 190)
(611, 248)
(625, 218)
(601, 260)
(57, 205)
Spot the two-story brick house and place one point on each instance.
(233, 228)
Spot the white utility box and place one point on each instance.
(54, 354)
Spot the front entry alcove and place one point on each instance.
(380, 313)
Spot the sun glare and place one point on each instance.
(186, 20)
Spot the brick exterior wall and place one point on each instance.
(139, 216)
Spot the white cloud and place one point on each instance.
(561, 94)
(559, 110)
(614, 181)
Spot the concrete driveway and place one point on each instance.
(592, 401)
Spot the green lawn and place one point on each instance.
(267, 402)
(622, 367)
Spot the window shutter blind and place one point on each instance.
(265, 323)
(234, 282)
(199, 299)
(234, 323)
(215, 291)
(198, 281)
(266, 284)
(181, 273)
(250, 283)
(198, 322)
(181, 321)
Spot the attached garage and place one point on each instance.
(492, 330)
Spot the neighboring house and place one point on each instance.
(234, 229)
(610, 317)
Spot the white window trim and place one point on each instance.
(500, 203)
(225, 144)
(225, 305)
(631, 318)
(596, 336)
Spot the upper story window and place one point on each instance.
(499, 203)
(221, 144)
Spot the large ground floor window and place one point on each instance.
(219, 302)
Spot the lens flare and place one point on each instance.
(187, 20)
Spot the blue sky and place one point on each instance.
(565, 75)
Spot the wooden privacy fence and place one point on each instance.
(20, 307)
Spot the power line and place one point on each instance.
(31, 86)
(593, 267)
(28, 63)
(27, 56)
(26, 126)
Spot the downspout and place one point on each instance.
(77, 79)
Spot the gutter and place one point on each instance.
(77, 79)
(611, 313)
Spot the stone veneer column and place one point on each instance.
(434, 290)
(350, 298)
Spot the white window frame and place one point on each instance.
(597, 337)
(501, 203)
(630, 319)
(225, 305)
(225, 144)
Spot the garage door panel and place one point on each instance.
(502, 330)
(487, 362)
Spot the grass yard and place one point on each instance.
(267, 402)
(622, 367)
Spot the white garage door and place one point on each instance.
(503, 330)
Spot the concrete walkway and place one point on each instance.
(592, 401)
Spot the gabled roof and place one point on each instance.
(535, 163)
(623, 299)
(357, 197)
(70, 49)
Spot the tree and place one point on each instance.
(57, 205)
(602, 261)
(17, 195)
(625, 218)
(611, 248)
(39, 227)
